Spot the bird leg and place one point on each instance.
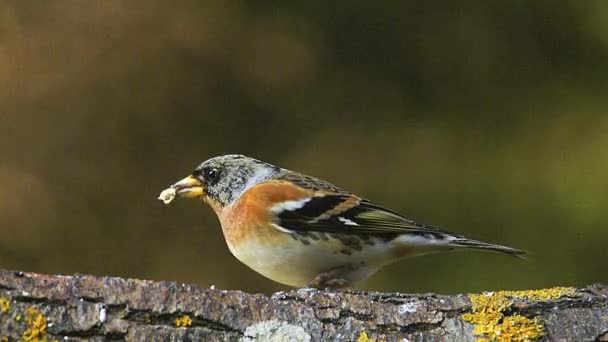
(334, 278)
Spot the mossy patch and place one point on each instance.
(5, 305)
(492, 325)
(36, 326)
(184, 321)
(542, 294)
(363, 338)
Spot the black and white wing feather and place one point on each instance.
(342, 213)
(335, 211)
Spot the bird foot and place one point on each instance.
(333, 278)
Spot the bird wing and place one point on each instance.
(347, 214)
(310, 183)
(334, 210)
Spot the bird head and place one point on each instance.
(222, 179)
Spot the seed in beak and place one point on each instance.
(168, 195)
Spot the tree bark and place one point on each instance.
(82, 307)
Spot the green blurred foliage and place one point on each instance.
(484, 118)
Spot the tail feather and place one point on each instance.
(466, 243)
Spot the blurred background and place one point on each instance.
(485, 118)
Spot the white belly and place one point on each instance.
(294, 263)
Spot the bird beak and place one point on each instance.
(189, 187)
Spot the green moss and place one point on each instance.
(36, 322)
(492, 325)
(5, 305)
(184, 321)
(542, 294)
(363, 338)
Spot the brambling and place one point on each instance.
(302, 231)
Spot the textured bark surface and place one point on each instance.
(102, 308)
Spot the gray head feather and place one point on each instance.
(227, 177)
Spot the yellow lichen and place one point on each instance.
(363, 338)
(36, 322)
(5, 305)
(4, 339)
(542, 294)
(492, 325)
(184, 321)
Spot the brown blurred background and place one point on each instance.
(484, 118)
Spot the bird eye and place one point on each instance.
(211, 175)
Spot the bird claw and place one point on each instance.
(332, 279)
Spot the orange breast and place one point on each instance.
(250, 215)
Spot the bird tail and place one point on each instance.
(466, 243)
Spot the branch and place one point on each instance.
(46, 307)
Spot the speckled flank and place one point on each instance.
(491, 322)
(346, 243)
(349, 242)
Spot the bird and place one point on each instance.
(302, 231)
